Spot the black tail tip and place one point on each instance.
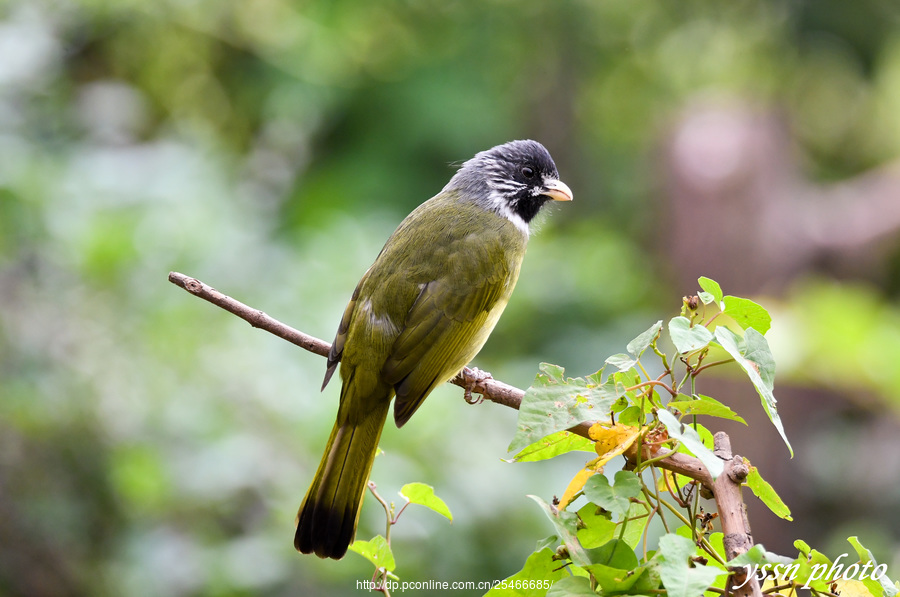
(323, 549)
(324, 533)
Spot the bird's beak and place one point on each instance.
(557, 190)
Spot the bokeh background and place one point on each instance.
(151, 444)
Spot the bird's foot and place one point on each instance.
(475, 379)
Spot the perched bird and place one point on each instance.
(419, 315)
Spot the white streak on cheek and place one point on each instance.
(503, 209)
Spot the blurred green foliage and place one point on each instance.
(151, 444)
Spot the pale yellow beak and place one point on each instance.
(557, 190)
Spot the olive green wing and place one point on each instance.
(337, 347)
(447, 326)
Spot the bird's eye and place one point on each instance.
(528, 172)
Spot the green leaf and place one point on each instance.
(615, 498)
(805, 564)
(717, 542)
(550, 542)
(802, 568)
(803, 547)
(633, 416)
(755, 358)
(642, 342)
(423, 495)
(685, 531)
(566, 525)
(615, 554)
(691, 440)
(880, 587)
(552, 371)
(632, 581)
(611, 581)
(376, 551)
(679, 577)
(864, 554)
(704, 405)
(635, 522)
(573, 586)
(553, 445)
(554, 403)
(540, 567)
(765, 492)
(705, 434)
(621, 361)
(748, 314)
(648, 582)
(687, 338)
(596, 528)
(615, 568)
(712, 287)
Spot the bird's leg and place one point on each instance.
(474, 379)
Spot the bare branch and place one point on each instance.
(254, 317)
(733, 515)
(677, 462)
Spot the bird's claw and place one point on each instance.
(467, 396)
(475, 378)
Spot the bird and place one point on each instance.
(419, 314)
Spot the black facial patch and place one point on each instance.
(526, 164)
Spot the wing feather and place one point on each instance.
(428, 303)
(445, 328)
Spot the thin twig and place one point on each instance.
(388, 510)
(713, 364)
(254, 317)
(653, 382)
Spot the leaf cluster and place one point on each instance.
(603, 546)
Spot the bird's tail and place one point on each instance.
(326, 522)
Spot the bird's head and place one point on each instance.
(514, 179)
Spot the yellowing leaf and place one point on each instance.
(661, 482)
(852, 588)
(578, 482)
(609, 442)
